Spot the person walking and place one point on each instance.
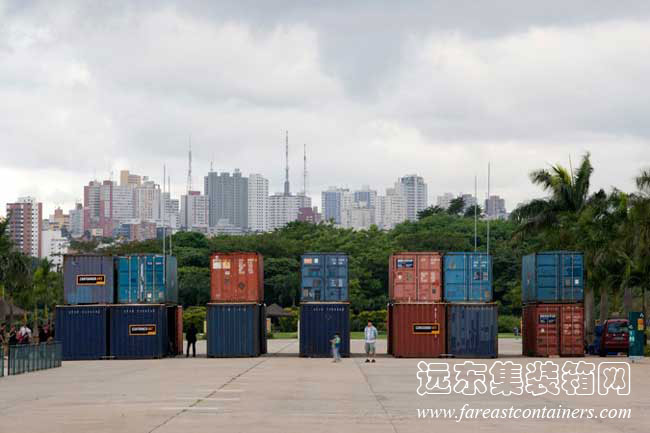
(25, 334)
(370, 334)
(336, 347)
(13, 336)
(190, 335)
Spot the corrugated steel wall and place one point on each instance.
(237, 277)
(318, 324)
(556, 276)
(88, 279)
(324, 277)
(541, 330)
(467, 277)
(572, 330)
(83, 331)
(417, 330)
(472, 330)
(138, 331)
(415, 277)
(234, 330)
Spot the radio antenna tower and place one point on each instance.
(287, 190)
(189, 168)
(304, 173)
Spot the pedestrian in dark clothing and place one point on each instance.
(190, 335)
(13, 336)
(42, 335)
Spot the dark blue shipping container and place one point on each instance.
(263, 342)
(147, 279)
(138, 331)
(88, 279)
(234, 330)
(324, 277)
(472, 330)
(82, 330)
(467, 277)
(555, 276)
(318, 324)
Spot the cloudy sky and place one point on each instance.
(376, 89)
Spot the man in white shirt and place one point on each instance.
(25, 333)
(370, 339)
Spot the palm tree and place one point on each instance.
(639, 233)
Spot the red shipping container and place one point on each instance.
(572, 335)
(237, 277)
(541, 330)
(179, 329)
(415, 277)
(417, 330)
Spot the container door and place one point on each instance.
(337, 277)
(456, 277)
(528, 279)
(547, 335)
(479, 279)
(548, 283)
(313, 278)
(405, 281)
(159, 287)
(572, 277)
(429, 278)
(572, 330)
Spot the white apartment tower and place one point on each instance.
(415, 193)
(258, 203)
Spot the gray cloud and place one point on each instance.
(376, 90)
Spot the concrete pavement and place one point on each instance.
(279, 392)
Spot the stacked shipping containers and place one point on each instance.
(96, 321)
(324, 306)
(236, 315)
(552, 290)
(472, 325)
(416, 314)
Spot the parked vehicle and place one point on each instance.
(615, 337)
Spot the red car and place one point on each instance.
(615, 337)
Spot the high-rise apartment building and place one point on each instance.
(366, 197)
(25, 225)
(444, 200)
(333, 201)
(128, 179)
(469, 201)
(258, 203)
(415, 193)
(171, 214)
(495, 208)
(77, 221)
(390, 209)
(53, 247)
(194, 212)
(147, 201)
(283, 209)
(228, 198)
(58, 221)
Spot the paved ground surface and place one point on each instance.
(279, 393)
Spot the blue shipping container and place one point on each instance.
(88, 279)
(83, 331)
(324, 277)
(147, 279)
(556, 276)
(472, 330)
(234, 330)
(318, 324)
(138, 331)
(467, 277)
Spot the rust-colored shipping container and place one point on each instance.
(415, 277)
(541, 330)
(572, 334)
(237, 277)
(417, 330)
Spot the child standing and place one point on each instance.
(336, 347)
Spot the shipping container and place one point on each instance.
(541, 330)
(234, 330)
(147, 279)
(572, 330)
(175, 329)
(324, 277)
(472, 330)
(83, 331)
(417, 330)
(389, 320)
(467, 277)
(237, 277)
(88, 279)
(556, 276)
(318, 324)
(415, 277)
(138, 331)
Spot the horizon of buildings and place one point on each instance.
(137, 208)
